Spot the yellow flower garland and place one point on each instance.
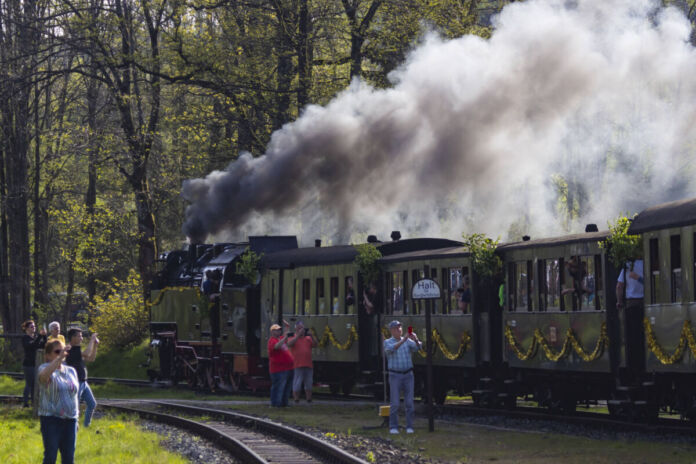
(328, 336)
(685, 338)
(571, 341)
(464, 342)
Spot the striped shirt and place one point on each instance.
(399, 359)
(59, 397)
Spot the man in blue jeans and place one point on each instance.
(76, 359)
(398, 350)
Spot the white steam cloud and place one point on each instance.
(594, 97)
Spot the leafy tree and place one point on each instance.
(366, 259)
(485, 261)
(248, 265)
(621, 246)
(121, 316)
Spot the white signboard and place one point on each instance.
(425, 289)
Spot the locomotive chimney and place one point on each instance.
(395, 235)
(317, 243)
(591, 228)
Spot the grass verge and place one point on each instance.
(108, 440)
(464, 443)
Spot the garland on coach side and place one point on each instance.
(464, 342)
(328, 336)
(685, 338)
(571, 342)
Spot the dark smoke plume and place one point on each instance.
(585, 106)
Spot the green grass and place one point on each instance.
(464, 443)
(120, 364)
(108, 440)
(10, 386)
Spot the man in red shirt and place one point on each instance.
(280, 365)
(301, 346)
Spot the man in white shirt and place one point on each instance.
(629, 295)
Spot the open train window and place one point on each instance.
(549, 280)
(406, 297)
(350, 295)
(321, 301)
(437, 304)
(334, 295)
(675, 268)
(396, 292)
(522, 286)
(416, 275)
(655, 296)
(598, 283)
(274, 300)
(511, 288)
(458, 282)
(296, 298)
(306, 297)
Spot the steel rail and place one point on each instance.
(314, 445)
(238, 449)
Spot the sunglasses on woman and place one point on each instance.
(57, 351)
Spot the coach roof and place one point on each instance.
(673, 214)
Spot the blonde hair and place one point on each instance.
(51, 346)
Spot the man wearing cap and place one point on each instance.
(280, 365)
(398, 351)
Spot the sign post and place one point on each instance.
(428, 290)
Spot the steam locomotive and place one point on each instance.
(546, 327)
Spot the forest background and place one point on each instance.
(107, 106)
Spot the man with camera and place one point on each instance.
(301, 347)
(398, 350)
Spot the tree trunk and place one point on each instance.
(304, 55)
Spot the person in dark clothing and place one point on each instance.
(31, 342)
(76, 359)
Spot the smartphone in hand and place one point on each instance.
(410, 329)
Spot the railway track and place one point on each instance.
(95, 380)
(249, 439)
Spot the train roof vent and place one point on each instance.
(526, 238)
(591, 228)
(396, 235)
(372, 239)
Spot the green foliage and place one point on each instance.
(486, 262)
(108, 440)
(120, 363)
(248, 265)
(367, 258)
(621, 246)
(121, 317)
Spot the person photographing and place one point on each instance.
(398, 350)
(58, 404)
(301, 348)
(77, 359)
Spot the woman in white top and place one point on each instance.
(58, 404)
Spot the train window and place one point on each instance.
(543, 285)
(586, 293)
(655, 296)
(306, 297)
(416, 275)
(456, 280)
(274, 300)
(334, 295)
(397, 292)
(350, 295)
(598, 283)
(551, 281)
(321, 301)
(406, 298)
(436, 303)
(522, 287)
(675, 268)
(511, 288)
(296, 298)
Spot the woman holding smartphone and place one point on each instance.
(58, 404)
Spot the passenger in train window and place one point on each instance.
(578, 272)
(464, 296)
(370, 298)
(350, 293)
(633, 291)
